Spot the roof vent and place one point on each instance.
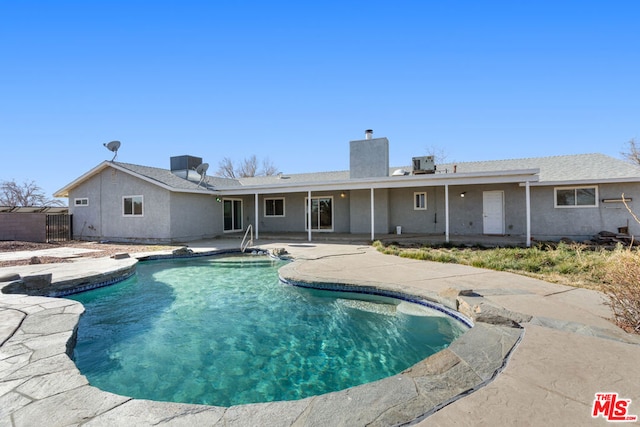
(368, 134)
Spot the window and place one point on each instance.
(420, 201)
(572, 197)
(81, 202)
(132, 206)
(274, 207)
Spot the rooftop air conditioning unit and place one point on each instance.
(424, 164)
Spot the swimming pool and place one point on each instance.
(257, 340)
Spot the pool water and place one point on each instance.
(226, 331)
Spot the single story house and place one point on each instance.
(545, 198)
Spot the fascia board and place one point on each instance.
(515, 176)
(585, 182)
(64, 192)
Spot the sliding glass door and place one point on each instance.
(232, 214)
(321, 213)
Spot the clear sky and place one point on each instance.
(295, 81)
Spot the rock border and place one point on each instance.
(38, 379)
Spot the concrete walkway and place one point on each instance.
(567, 353)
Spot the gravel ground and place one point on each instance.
(102, 250)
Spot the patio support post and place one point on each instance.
(446, 213)
(527, 189)
(309, 214)
(372, 216)
(256, 216)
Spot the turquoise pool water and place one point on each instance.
(225, 331)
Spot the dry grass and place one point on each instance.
(568, 264)
(615, 272)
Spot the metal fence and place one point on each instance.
(59, 228)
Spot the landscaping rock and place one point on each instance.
(182, 252)
(481, 310)
(278, 252)
(9, 277)
(37, 281)
(121, 255)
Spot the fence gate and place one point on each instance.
(59, 228)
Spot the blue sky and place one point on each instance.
(294, 82)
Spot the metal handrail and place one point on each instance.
(243, 247)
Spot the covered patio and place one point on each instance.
(373, 206)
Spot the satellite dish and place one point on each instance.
(201, 170)
(113, 147)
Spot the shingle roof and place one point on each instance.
(313, 177)
(574, 167)
(166, 177)
(578, 167)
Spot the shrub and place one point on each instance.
(622, 286)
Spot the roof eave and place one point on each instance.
(64, 192)
(514, 176)
(586, 181)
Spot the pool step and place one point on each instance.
(249, 262)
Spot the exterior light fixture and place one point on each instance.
(218, 199)
(463, 193)
(343, 194)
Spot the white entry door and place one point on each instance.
(493, 212)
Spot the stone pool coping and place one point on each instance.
(39, 378)
(39, 381)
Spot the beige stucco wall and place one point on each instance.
(28, 227)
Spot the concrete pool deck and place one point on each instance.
(567, 352)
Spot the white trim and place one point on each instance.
(574, 188)
(256, 215)
(308, 214)
(446, 213)
(80, 199)
(587, 182)
(527, 191)
(427, 180)
(132, 214)
(373, 215)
